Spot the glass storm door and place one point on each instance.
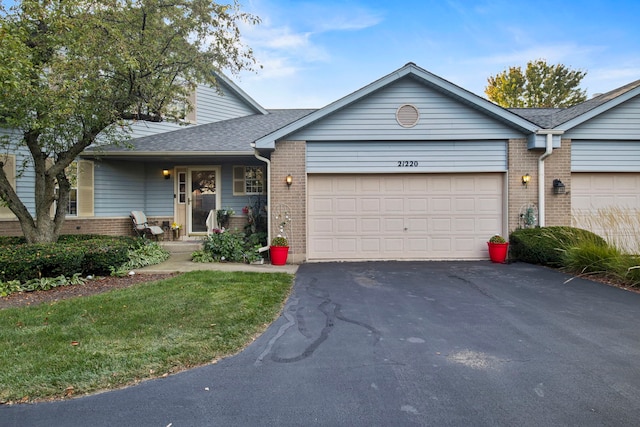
(203, 198)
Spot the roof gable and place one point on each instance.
(419, 74)
(437, 117)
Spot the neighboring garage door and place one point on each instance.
(404, 216)
(600, 200)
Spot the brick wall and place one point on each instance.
(557, 166)
(108, 226)
(521, 161)
(289, 158)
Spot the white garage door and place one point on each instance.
(607, 204)
(417, 216)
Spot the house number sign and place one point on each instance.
(407, 163)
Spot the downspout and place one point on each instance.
(547, 152)
(268, 162)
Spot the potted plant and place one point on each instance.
(279, 250)
(498, 248)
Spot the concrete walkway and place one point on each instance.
(181, 262)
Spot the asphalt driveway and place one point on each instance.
(404, 343)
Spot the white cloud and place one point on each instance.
(288, 41)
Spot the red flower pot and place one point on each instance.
(279, 254)
(498, 252)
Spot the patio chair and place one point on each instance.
(142, 227)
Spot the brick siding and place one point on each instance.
(557, 166)
(289, 158)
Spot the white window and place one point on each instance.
(248, 180)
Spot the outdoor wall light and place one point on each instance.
(525, 179)
(289, 180)
(166, 173)
(558, 187)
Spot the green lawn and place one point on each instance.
(117, 338)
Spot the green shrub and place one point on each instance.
(547, 245)
(72, 254)
(11, 240)
(231, 246)
(25, 262)
(102, 255)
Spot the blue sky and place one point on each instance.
(315, 52)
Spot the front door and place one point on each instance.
(204, 197)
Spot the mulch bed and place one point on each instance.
(90, 287)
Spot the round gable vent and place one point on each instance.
(407, 116)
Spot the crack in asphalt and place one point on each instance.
(331, 311)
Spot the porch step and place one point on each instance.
(186, 246)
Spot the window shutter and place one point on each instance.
(10, 170)
(85, 188)
(238, 181)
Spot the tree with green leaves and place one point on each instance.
(540, 86)
(75, 70)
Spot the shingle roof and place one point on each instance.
(234, 136)
(549, 118)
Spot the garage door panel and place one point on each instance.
(441, 205)
(370, 225)
(346, 225)
(465, 225)
(321, 225)
(441, 225)
(466, 205)
(418, 245)
(393, 225)
(487, 205)
(419, 225)
(370, 245)
(370, 206)
(415, 205)
(321, 204)
(488, 226)
(404, 216)
(346, 206)
(441, 245)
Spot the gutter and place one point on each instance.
(547, 152)
(268, 162)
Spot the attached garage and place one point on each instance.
(403, 216)
(605, 188)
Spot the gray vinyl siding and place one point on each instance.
(427, 156)
(619, 123)
(374, 118)
(119, 188)
(211, 107)
(605, 156)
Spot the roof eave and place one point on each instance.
(141, 154)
